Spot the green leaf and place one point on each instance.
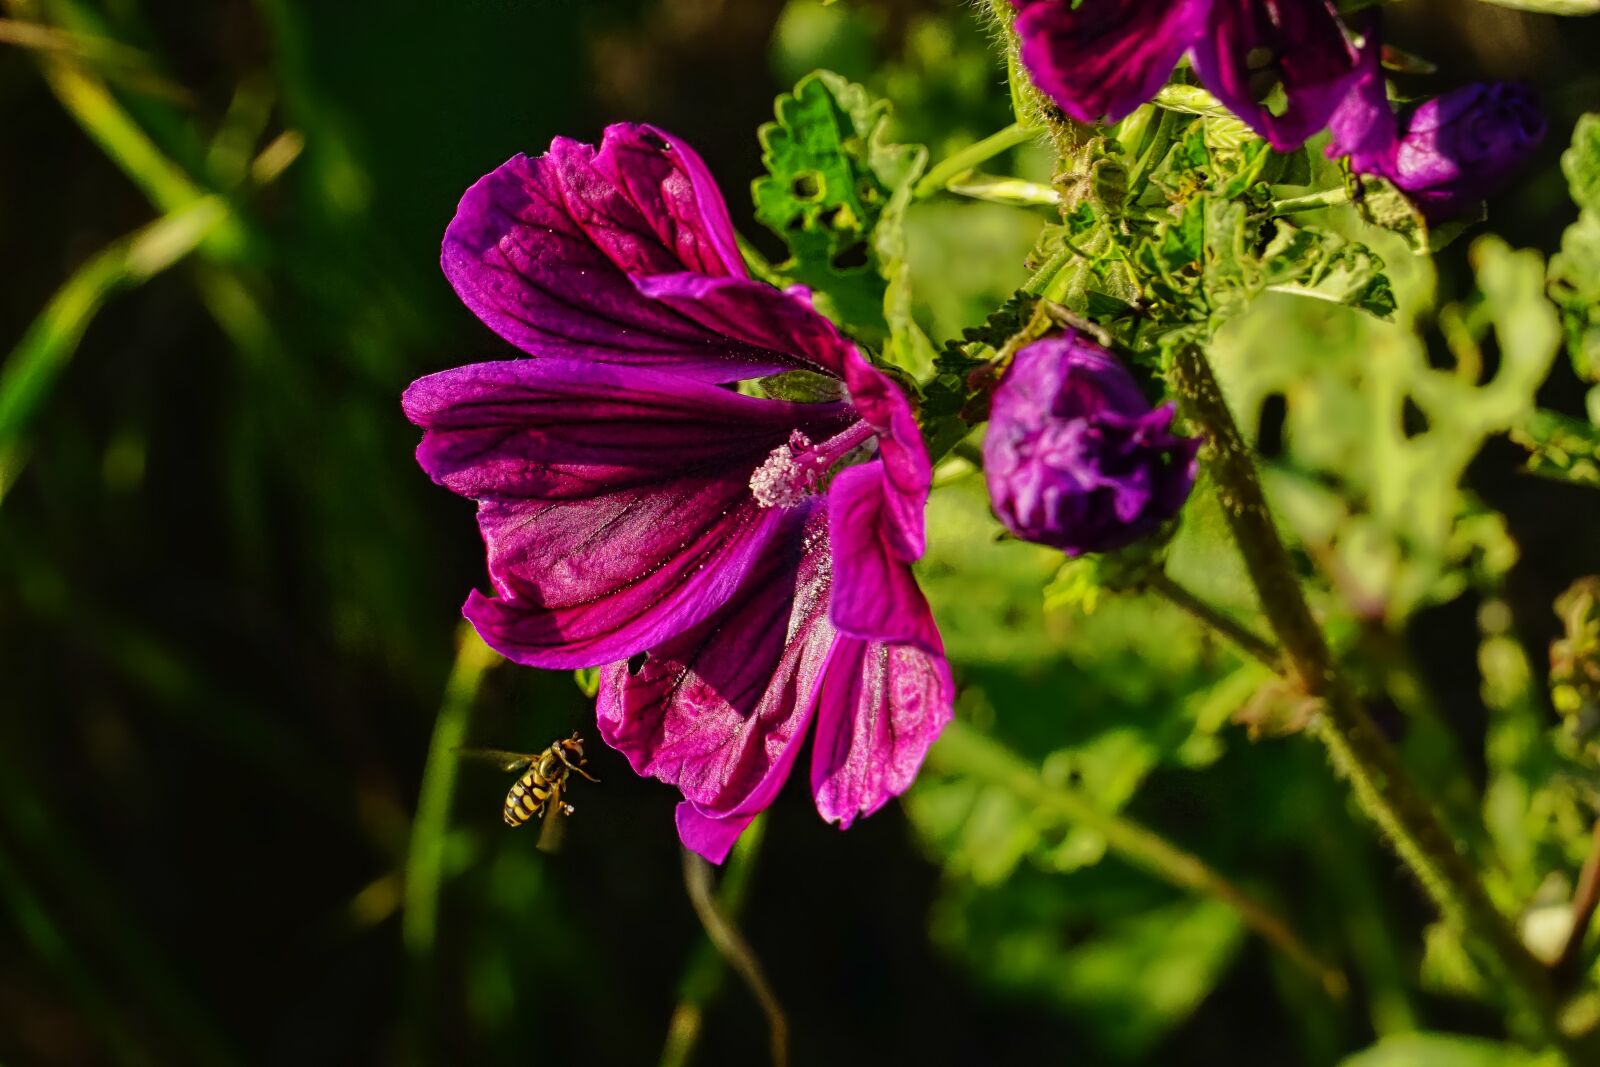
(588, 681)
(1575, 270)
(1125, 967)
(1552, 7)
(1560, 447)
(1581, 162)
(1325, 266)
(1376, 441)
(836, 192)
(1382, 204)
(1447, 1050)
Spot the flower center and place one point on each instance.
(796, 469)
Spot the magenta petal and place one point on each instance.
(1250, 44)
(1364, 126)
(545, 251)
(880, 709)
(710, 836)
(720, 710)
(770, 320)
(905, 463)
(614, 502)
(875, 595)
(1100, 60)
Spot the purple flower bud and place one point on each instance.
(1461, 147)
(1075, 457)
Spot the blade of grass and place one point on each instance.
(120, 62)
(44, 351)
(45, 938)
(105, 921)
(425, 863)
(91, 103)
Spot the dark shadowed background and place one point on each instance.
(229, 601)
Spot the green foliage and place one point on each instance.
(1575, 270)
(1552, 7)
(1126, 964)
(1377, 441)
(1446, 1050)
(1185, 239)
(1536, 810)
(836, 192)
(1382, 204)
(1559, 447)
(1131, 687)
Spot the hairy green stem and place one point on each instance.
(1358, 751)
(730, 943)
(702, 978)
(965, 751)
(969, 158)
(1246, 639)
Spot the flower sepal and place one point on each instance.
(1383, 204)
(1081, 581)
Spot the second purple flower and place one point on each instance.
(1075, 456)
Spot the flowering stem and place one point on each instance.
(969, 158)
(703, 977)
(965, 751)
(1241, 635)
(728, 941)
(1358, 751)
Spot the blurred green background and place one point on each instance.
(229, 600)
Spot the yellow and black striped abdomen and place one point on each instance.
(527, 798)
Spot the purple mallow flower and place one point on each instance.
(640, 513)
(1074, 455)
(1100, 59)
(1448, 153)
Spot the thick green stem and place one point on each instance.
(967, 752)
(1358, 751)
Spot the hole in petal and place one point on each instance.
(655, 140)
(636, 663)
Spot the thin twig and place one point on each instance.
(733, 947)
(969, 158)
(1584, 902)
(1246, 639)
(702, 977)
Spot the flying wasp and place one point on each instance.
(539, 792)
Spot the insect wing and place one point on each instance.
(510, 762)
(555, 824)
